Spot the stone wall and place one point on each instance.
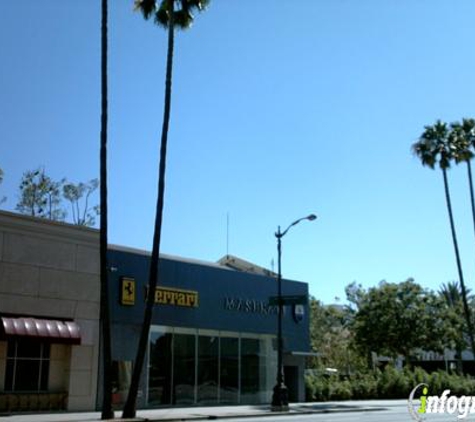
(51, 270)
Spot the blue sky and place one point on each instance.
(280, 108)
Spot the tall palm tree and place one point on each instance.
(107, 412)
(166, 15)
(463, 141)
(434, 148)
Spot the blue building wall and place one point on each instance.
(228, 300)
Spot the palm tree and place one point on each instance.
(452, 296)
(463, 140)
(165, 15)
(434, 147)
(107, 412)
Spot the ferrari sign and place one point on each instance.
(127, 291)
(176, 297)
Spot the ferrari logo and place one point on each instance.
(127, 296)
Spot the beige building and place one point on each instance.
(49, 310)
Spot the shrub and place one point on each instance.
(393, 384)
(388, 384)
(340, 389)
(317, 388)
(364, 386)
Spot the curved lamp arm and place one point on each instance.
(310, 217)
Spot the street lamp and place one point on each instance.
(280, 397)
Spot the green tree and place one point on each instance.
(434, 147)
(107, 412)
(331, 338)
(166, 15)
(395, 319)
(40, 196)
(78, 195)
(451, 294)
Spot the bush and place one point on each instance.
(388, 384)
(364, 386)
(316, 388)
(340, 389)
(393, 384)
(458, 385)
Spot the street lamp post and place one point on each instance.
(280, 397)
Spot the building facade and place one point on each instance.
(49, 310)
(213, 336)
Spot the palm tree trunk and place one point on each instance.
(472, 197)
(466, 309)
(107, 412)
(130, 405)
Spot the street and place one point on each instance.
(348, 411)
(391, 413)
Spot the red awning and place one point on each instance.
(44, 329)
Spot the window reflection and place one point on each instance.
(208, 350)
(229, 380)
(184, 369)
(249, 370)
(160, 373)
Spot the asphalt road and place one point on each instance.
(391, 413)
(367, 411)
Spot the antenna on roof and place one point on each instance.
(227, 233)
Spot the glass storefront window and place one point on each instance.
(184, 350)
(250, 370)
(229, 373)
(208, 364)
(121, 377)
(209, 367)
(160, 372)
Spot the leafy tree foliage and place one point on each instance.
(332, 339)
(456, 329)
(78, 196)
(40, 196)
(397, 319)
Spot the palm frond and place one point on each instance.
(183, 11)
(460, 140)
(162, 16)
(146, 7)
(433, 146)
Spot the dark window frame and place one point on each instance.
(16, 364)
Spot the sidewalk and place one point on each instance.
(209, 413)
